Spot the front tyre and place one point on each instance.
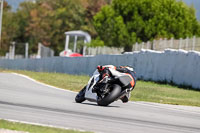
(111, 97)
(80, 97)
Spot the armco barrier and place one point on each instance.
(177, 66)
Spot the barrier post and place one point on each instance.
(26, 50)
(193, 43)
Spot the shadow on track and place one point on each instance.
(93, 104)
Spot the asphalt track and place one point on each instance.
(23, 99)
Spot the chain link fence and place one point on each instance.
(157, 45)
(162, 44)
(103, 50)
(16, 51)
(44, 51)
(21, 51)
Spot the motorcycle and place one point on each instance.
(107, 90)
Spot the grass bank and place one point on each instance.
(165, 93)
(144, 90)
(33, 128)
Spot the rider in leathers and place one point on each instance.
(105, 71)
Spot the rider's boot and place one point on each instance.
(126, 98)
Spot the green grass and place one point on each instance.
(144, 90)
(33, 128)
(165, 93)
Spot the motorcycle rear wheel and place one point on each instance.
(105, 101)
(80, 97)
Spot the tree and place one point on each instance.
(125, 22)
(23, 19)
(111, 27)
(67, 15)
(46, 21)
(38, 28)
(91, 8)
(9, 28)
(53, 18)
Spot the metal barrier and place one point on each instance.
(176, 66)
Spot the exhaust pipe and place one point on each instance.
(122, 94)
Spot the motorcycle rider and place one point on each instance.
(105, 72)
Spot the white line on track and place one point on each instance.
(27, 77)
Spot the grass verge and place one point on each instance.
(33, 128)
(144, 90)
(165, 93)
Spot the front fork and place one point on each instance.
(102, 90)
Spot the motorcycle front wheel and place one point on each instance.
(80, 97)
(111, 97)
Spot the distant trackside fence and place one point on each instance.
(157, 45)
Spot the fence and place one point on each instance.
(162, 44)
(157, 45)
(103, 50)
(44, 51)
(21, 50)
(17, 51)
(173, 66)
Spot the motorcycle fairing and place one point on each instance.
(89, 95)
(124, 78)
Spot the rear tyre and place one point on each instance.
(80, 97)
(114, 94)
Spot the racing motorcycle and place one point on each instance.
(107, 90)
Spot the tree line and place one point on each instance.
(116, 23)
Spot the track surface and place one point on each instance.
(25, 100)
